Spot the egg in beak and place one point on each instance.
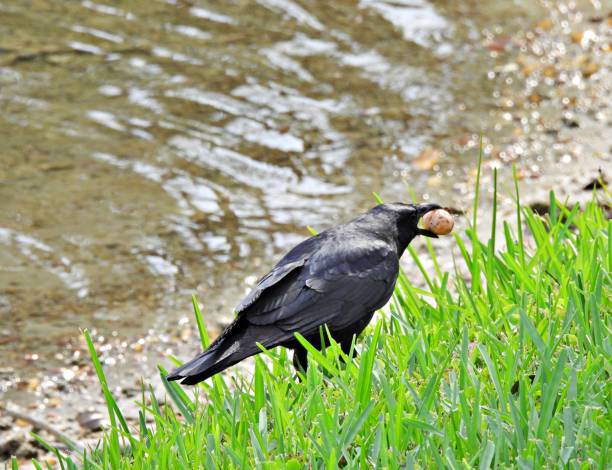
(423, 209)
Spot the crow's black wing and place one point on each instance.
(337, 285)
(290, 264)
(269, 281)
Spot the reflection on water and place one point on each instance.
(150, 149)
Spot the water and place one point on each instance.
(151, 149)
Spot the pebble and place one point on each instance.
(90, 421)
(19, 444)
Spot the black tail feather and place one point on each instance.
(214, 368)
(198, 363)
(237, 342)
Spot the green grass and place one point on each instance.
(508, 369)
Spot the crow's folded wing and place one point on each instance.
(288, 266)
(336, 285)
(268, 282)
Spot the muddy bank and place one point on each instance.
(537, 87)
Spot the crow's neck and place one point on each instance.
(388, 227)
(403, 239)
(404, 231)
(393, 235)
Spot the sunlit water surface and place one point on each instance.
(153, 149)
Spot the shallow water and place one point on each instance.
(151, 149)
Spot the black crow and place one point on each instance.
(337, 278)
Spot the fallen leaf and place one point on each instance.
(529, 68)
(427, 159)
(589, 69)
(576, 36)
(534, 98)
(499, 44)
(546, 24)
(32, 384)
(549, 71)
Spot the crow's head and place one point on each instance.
(421, 210)
(401, 221)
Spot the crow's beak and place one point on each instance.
(426, 233)
(423, 209)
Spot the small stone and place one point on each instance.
(186, 334)
(17, 444)
(9, 446)
(68, 374)
(435, 181)
(598, 182)
(90, 421)
(508, 68)
(54, 402)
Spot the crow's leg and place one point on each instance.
(345, 337)
(300, 359)
(346, 343)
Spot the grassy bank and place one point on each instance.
(509, 368)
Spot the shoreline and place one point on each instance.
(573, 137)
